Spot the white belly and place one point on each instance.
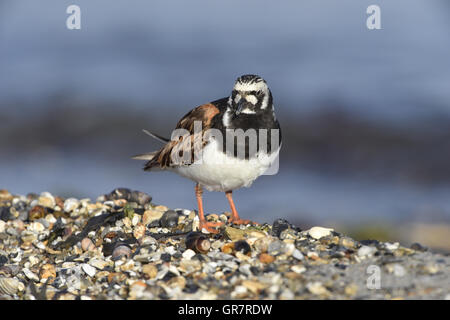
(218, 172)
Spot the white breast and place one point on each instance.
(218, 172)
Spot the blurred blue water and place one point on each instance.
(178, 54)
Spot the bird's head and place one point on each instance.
(250, 95)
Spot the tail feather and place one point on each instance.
(155, 136)
(145, 156)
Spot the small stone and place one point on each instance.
(319, 232)
(391, 246)
(234, 234)
(242, 246)
(99, 264)
(88, 269)
(121, 251)
(151, 215)
(279, 226)
(286, 294)
(366, 251)
(266, 258)
(87, 244)
(418, 247)
(2, 226)
(188, 254)
(150, 270)
(47, 200)
(298, 255)
(30, 275)
(139, 230)
(140, 198)
(5, 195)
(317, 288)
(254, 286)
(348, 243)
(37, 212)
(275, 247)
(47, 273)
(36, 227)
(239, 292)
(298, 269)
(351, 289)
(169, 219)
(261, 245)
(71, 204)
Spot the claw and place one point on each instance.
(209, 226)
(241, 221)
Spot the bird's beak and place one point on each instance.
(240, 106)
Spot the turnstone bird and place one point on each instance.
(223, 145)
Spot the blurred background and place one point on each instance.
(365, 113)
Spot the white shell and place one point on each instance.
(10, 286)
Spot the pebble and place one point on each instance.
(298, 255)
(121, 251)
(319, 232)
(169, 219)
(298, 269)
(150, 270)
(88, 269)
(30, 275)
(188, 254)
(266, 258)
(151, 215)
(47, 273)
(391, 246)
(46, 200)
(366, 251)
(108, 249)
(71, 204)
(87, 244)
(317, 288)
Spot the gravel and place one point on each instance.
(123, 246)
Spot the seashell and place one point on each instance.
(121, 251)
(278, 226)
(88, 269)
(37, 212)
(197, 242)
(319, 232)
(30, 275)
(150, 270)
(242, 246)
(71, 204)
(87, 244)
(5, 195)
(169, 219)
(47, 273)
(47, 200)
(10, 286)
(188, 254)
(139, 231)
(36, 227)
(151, 215)
(266, 258)
(5, 213)
(140, 197)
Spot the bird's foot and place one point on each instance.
(210, 226)
(241, 221)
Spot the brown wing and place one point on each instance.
(165, 156)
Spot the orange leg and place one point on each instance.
(203, 223)
(234, 214)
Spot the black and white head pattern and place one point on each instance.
(250, 95)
